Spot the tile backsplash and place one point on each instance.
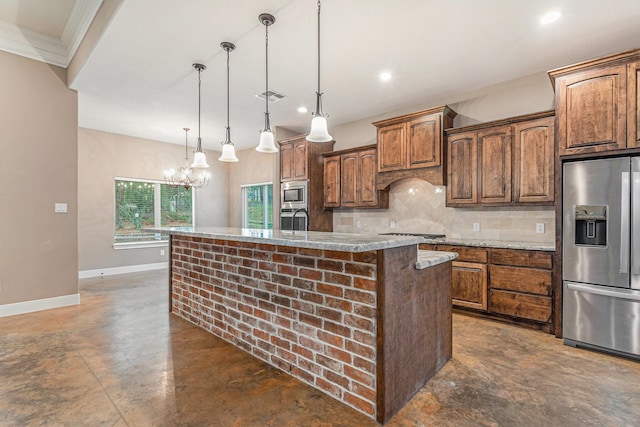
(418, 206)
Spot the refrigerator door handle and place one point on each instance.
(624, 222)
(635, 210)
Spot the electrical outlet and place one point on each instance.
(392, 224)
(476, 226)
(161, 252)
(358, 224)
(540, 227)
(0, 285)
(60, 208)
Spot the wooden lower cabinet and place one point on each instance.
(509, 284)
(469, 284)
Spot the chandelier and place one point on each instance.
(186, 176)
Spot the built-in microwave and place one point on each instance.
(293, 195)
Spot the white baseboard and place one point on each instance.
(85, 274)
(38, 304)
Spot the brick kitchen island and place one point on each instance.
(364, 318)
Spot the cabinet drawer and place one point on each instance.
(514, 304)
(519, 279)
(521, 258)
(466, 253)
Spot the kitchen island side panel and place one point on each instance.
(308, 312)
(414, 327)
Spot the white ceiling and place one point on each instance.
(139, 81)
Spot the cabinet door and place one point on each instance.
(423, 142)
(286, 162)
(462, 169)
(366, 178)
(332, 182)
(533, 161)
(391, 148)
(300, 160)
(469, 285)
(633, 110)
(494, 165)
(591, 108)
(348, 180)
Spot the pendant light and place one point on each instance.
(319, 132)
(267, 140)
(200, 159)
(186, 176)
(228, 151)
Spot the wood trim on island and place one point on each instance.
(367, 328)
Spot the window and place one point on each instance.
(257, 206)
(144, 204)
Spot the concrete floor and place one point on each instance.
(120, 359)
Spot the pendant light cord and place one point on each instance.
(267, 125)
(199, 148)
(186, 149)
(318, 93)
(228, 127)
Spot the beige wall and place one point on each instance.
(102, 156)
(38, 167)
(415, 205)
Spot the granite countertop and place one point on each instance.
(430, 258)
(498, 244)
(345, 242)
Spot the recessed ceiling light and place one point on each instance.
(550, 17)
(302, 109)
(385, 76)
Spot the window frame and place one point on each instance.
(156, 241)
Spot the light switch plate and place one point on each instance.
(392, 224)
(60, 208)
(476, 226)
(540, 227)
(358, 224)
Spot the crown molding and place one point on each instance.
(40, 47)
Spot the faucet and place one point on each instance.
(293, 218)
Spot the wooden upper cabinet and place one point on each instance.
(286, 162)
(367, 193)
(391, 147)
(424, 137)
(494, 165)
(354, 173)
(597, 104)
(332, 182)
(462, 170)
(533, 174)
(504, 162)
(349, 180)
(411, 144)
(633, 99)
(300, 160)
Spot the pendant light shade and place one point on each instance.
(267, 140)
(319, 131)
(200, 159)
(228, 150)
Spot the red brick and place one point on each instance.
(311, 320)
(261, 314)
(360, 296)
(316, 253)
(339, 279)
(246, 253)
(311, 296)
(329, 314)
(337, 379)
(302, 351)
(303, 284)
(364, 391)
(281, 300)
(261, 255)
(360, 349)
(280, 363)
(284, 322)
(359, 322)
(366, 270)
(261, 275)
(267, 266)
(310, 274)
(340, 304)
(287, 335)
(279, 342)
(267, 306)
(303, 375)
(302, 306)
(287, 356)
(331, 364)
(287, 249)
(364, 364)
(367, 257)
(359, 376)
(361, 404)
(327, 289)
(280, 279)
(328, 338)
(310, 344)
(338, 255)
(287, 269)
(337, 329)
(364, 338)
(327, 264)
(309, 366)
(364, 284)
(304, 261)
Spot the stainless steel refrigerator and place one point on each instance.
(601, 255)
